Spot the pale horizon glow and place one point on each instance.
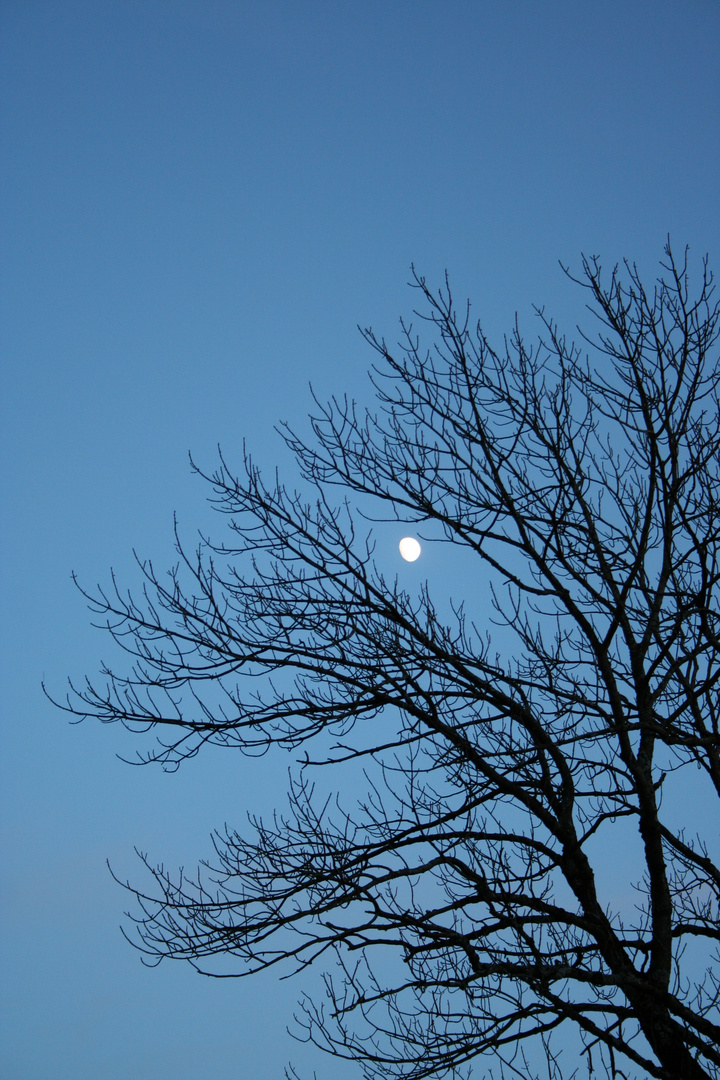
(409, 548)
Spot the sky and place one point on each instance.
(200, 201)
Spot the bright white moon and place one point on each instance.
(409, 548)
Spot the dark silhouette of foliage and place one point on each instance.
(461, 899)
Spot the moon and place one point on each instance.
(409, 548)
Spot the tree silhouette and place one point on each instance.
(461, 899)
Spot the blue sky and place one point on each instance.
(200, 201)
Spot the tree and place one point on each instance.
(461, 898)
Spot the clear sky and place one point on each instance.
(200, 200)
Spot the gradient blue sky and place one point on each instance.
(200, 201)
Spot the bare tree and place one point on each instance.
(461, 899)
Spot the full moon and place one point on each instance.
(409, 548)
